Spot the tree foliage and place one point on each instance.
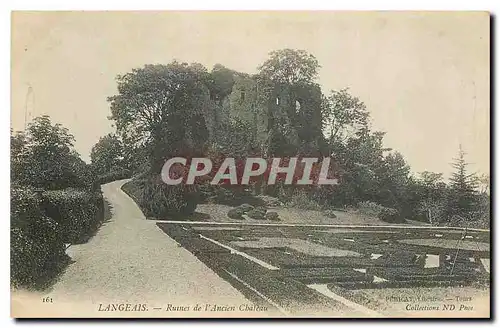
(462, 187)
(107, 155)
(220, 82)
(44, 157)
(291, 67)
(160, 112)
(343, 114)
(161, 107)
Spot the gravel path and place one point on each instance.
(132, 260)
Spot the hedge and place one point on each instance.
(77, 212)
(42, 222)
(36, 244)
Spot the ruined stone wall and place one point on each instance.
(293, 112)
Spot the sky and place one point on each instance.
(424, 76)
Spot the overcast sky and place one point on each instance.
(423, 76)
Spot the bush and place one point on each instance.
(246, 207)
(303, 201)
(236, 213)
(224, 195)
(370, 208)
(114, 176)
(77, 212)
(157, 199)
(217, 195)
(390, 215)
(36, 244)
(257, 214)
(272, 216)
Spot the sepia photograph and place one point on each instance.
(250, 164)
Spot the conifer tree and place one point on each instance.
(463, 187)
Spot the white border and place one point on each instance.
(7, 6)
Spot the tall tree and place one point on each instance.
(161, 107)
(430, 196)
(107, 154)
(48, 159)
(343, 115)
(463, 187)
(17, 156)
(484, 183)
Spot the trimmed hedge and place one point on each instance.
(77, 212)
(42, 222)
(36, 244)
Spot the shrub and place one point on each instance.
(219, 195)
(114, 176)
(207, 193)
(160, 200)
(303, 201)
(272, 216)
(224, 195)
(390, 215)
(77, 212)
(370, 208)
(257, 214)
(36, 244)
(236, 213)
(246, 207)
(133, 189)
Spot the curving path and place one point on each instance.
(130, 260)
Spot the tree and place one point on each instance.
(107, 155)
(343, 113)
(463, 187)
(429, 193)
(161, 107)
(17, 156)
(237, 140)
(484, 183)
(393, 178)
(431, 179)
(220, 82)
(292, 100)
(290, 67)
(44, 157)
(361, 159)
